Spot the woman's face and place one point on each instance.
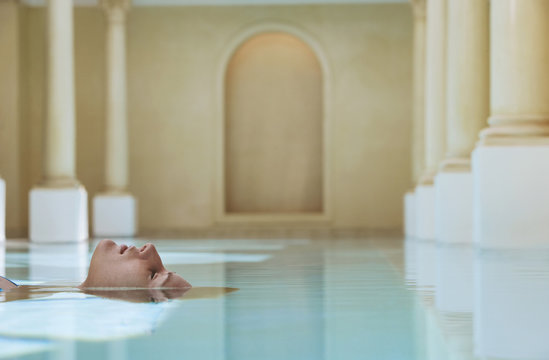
(121, 266)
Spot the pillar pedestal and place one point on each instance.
(511, 197)
(425, 212)
(454, 204)
(58, 214)
(409, 214)
(114, 215)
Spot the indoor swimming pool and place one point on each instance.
(317, 296)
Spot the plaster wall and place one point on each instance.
(9, 111)
(174, 55)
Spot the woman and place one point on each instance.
(120, 266)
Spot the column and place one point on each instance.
(435, 113)
(419, 113)
(467, 109)
(510, 167)
(58, 205)
(114, 209)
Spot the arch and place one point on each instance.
(219, 192)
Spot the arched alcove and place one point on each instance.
(273, 127)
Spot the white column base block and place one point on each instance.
(425, 212)
(454, 204)
(58, 214)
(511, 197)
(409, 214)
(114, 215)
(2, 210)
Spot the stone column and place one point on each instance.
(467, 109)
(114, 209)
(435, 113)
(510, 166)
(58, 205)
(418, 115)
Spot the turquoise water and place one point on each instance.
(315, 297)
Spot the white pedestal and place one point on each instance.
(425, 212)
(2, 210)
(510, 318)
(454, 204)
(511, 196)
(409, 214)
(114, 215)
(58, 214)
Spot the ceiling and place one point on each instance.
(223, 2)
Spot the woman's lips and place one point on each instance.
(123, 248)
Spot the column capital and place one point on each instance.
(115, 9)
(419, 8)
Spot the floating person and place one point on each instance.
(120, 272)
(93, 310)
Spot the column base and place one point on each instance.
(454, 204)
(114, 215)
(511, 197)
(425, 212)
(2, 210)
(409, 214)
(58, 214)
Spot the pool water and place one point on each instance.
(316, 296)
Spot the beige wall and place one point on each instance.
(9, 111)
(174, 57)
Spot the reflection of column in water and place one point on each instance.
(454, 278)
(410, 264)
(454, 298)
(58, 262)
(510, 309)
(426, 267)
(434, 339)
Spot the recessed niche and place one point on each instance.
(273, 131)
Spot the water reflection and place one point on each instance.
(366, 311)
(426, 268)
(511, 299)
(58, 262)
(454, 278)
